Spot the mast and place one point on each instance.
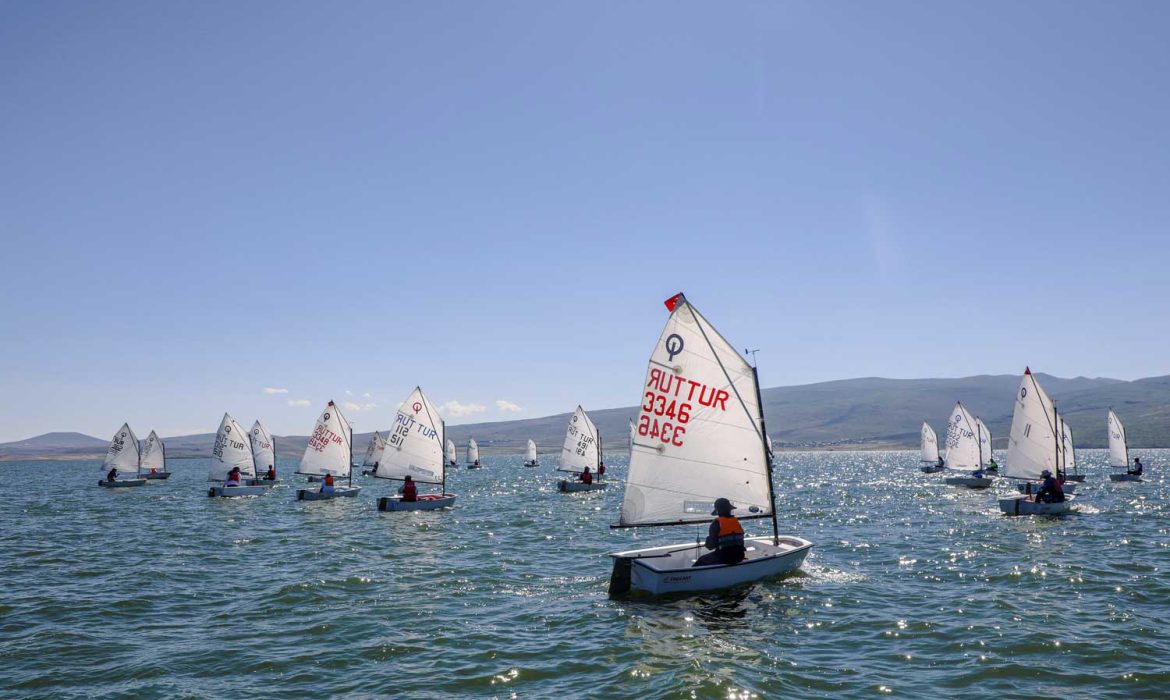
(443, 442)
(767, 458)
(979, 442)
(1058, 435)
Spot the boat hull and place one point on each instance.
(1074, 477)
(566, 486)
(971, 482)
(1124, 477)
(475, 466)
(235, 491)
(429, 502)
(155, 476)
(121, 483)
(338, 492)
(263, 482)
(670, 569)
(532, 464)
(1030, 487)
(1022, 505)
(930, 470)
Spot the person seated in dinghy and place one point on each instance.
(409, 491)
(270, 475)
(233, 477)
(940, 463)
(586, 476)
(327, 484)
(725, 536)
(112, 475)
(992, 466)
(1137, 467)
(601, 471)
(1050, 491)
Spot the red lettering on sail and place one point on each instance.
(668, 404)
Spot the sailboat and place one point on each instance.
(373, 454)
(450, 456)
(153, 463)
(1034, 446)
(1071, 473)
(582, 449)
(123, 455)
(986, 453)
(232, 449)
(930, 450)
(415, 449)
(1067, 461)
(330, 451)
(263, 454)
(530, 455)
(700, 437)
(965, 450)
(473, 455)
(1119, 450)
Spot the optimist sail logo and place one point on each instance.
(674, 345)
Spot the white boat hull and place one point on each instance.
(1022, 505)
(1030, 487)
(235, 491)
(671, 569)
(567, 486)
(429, 502)
(970, 482)
(155, 476)
(121, 483)
(1124, 477)
(338, 492)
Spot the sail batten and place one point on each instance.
(1118, 447)
(330, 447)
(414, 446)
(232, 449)
(698, 435)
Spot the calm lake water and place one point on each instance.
(915, 589)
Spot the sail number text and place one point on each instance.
(402, 427)
(673, 397)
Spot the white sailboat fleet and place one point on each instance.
(329, 452)
(530, 455)
(123, 454)
(581, 451)
(374, 452)
(930, 450)
(1119, 450)
(414, 450)
(232, 450)
(473, 455)
(1035, 445)
(965, 450)
(700, 436)
(153, 463)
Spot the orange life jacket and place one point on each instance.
(328, 479)
(730, 532)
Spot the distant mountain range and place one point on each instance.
(844, 414)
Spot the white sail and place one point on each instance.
(530, 455)
(263, 447)
(1067, 451)
(374, 449)
(631, 445)
(231, 449)
(452, 458)
(985, 449)
(929, 444)
(962, 440)
(123, 453)
(154, 454)
(329, 450)
(472, 452)
(580, 448)
(699, 434)
(1032, 442)
(415, 444)
(1118, 449)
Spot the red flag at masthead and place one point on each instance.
(673, 301)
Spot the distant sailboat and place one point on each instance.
(329, 452)
(689, 453)
(153, 464)
(451, 456)
(582, 449)
(1035, 445)
(373, 453)
(264, 454)
(530, 455)
(930, 450)
(473, 455)
(124, 455)
(232, 449)
(964, 450)
(1119, 450)
(1069, 468)
(986, 454)
(414, 450)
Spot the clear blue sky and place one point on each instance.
(199, 201)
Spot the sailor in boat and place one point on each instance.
(601, 472)
(940, 463)
(1050, 491)
(992, 466)
(1137, 467)
(112, 475)
(725, 536)
(233, 477)
(327, 484)
(153, 470)
(408, 490)
(586, 476)
(271, 474)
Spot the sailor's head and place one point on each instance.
(723, 507)
(1045, 473)
(408, 478)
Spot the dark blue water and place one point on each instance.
(914, 589)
